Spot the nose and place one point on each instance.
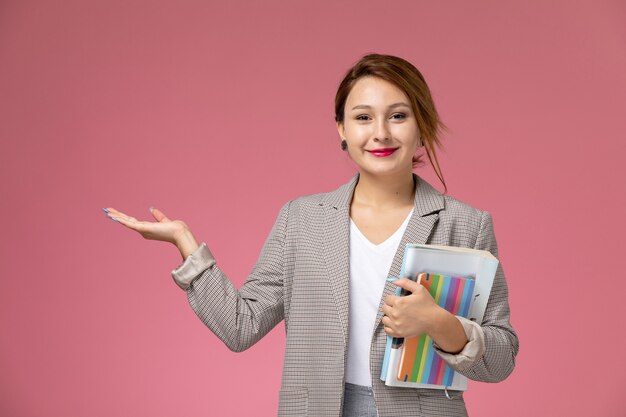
(381, 132)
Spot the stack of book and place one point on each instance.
(459, 280)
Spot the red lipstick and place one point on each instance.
(382, 151)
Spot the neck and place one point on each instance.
(384, 191)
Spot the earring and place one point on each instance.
(344, 145)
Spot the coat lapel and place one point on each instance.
(337, 246)
(428, 203)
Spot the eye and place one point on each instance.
(362, 117)
(398, 116)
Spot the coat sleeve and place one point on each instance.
(500, 341)
(240, 318)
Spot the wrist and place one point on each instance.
(186, 243)
(447, 331)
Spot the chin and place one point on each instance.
(386, 172)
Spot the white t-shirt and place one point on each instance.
(369, 266)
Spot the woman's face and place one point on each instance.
(379, 127)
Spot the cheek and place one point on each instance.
(409, 135)
(355, 132)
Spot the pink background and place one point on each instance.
(219, 112)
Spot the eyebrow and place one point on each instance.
(393, 106)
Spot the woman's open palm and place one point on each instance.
(163, 229)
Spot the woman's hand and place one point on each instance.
(164, 229)
(417, 313)
(410, 315)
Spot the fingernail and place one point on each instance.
(151, 208)
(105, 210)
(112, 218)
(392, 279)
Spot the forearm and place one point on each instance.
(500, 340)
(237, 321)
(447, 331)
(494, 339)
(238, 317)
(498, 360)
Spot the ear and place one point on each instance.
(341, 130)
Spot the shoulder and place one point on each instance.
(465, 223)
(306, 207)
(337, 198)
(310, 200)
(458, 223)
(303, 218)
(458, 211)
(430, 200)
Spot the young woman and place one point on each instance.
(325, 266)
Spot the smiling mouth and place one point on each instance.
(383, 151)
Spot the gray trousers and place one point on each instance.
(358, 401)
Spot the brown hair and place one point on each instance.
(407, 78)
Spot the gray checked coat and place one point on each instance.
(302, 277)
